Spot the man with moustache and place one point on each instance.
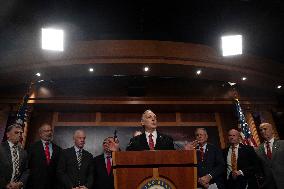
(43, 158)
(13, 160)
(271, 154)
(75, 166)
(241, 163)
(150, 139)
(210, 163)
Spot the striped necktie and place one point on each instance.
(16, 163)
(79, 158)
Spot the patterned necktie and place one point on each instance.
(79, 158)
(234, 159)
(16, 162)
(108, 166)
(201, 150)
(47, 153)
(151, 142)
(268, 150)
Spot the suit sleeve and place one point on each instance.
(219, 166)
(61, 171)
(171, 144)
(133, 145)
(90, 179)
(25, 173)
(254, 163)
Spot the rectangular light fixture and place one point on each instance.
(232, 45)
(52, 39)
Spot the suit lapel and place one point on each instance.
(206, 153)
(275, 148)
(240, 154)
(9, 156)
(41, 151)
(158, 141)
(144, 141)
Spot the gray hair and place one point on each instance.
(15, 125)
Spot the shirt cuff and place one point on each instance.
(241, 172)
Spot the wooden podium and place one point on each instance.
(174, 169)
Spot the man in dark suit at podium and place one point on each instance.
(75, 166)
(43, 158)
(151, 139)
(210, 163)
(103, 175)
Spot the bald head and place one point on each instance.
(266, 131)
(149, 121)
(234, 137)
(79, 138)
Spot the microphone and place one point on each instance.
(115, 135)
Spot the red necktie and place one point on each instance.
(201, 153)
(151, 142)
(108, 165)
(268, 153)
(47, 153)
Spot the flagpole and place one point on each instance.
(23, 114)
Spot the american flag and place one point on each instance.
(246, 135)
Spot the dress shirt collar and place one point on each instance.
(11, 144)
(44, 141)
(77, 149)
(154, 133)
(236, 147)
(204, 147)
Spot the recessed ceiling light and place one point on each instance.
(198, 72)
(146, 69)
(38, 74)
(52, 39)
(279, 87)
(244, 78)
(232, 83)
(232, 45)
(91, 69)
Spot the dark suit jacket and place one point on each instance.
(101, 179)
(139, 143)
(42, 176)
(212, 164)
(6, 165)
(273, 169)
(68, 173)
(248, 163)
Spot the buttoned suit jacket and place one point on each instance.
(6, 165)
(248, 163)
(68, 173)
(139, 143)
(42, 175)
(213, 164)
(101, 178)
(273, 169)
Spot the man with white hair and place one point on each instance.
(75, 166)
(271, 153)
